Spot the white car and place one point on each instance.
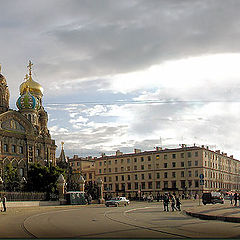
(118, 201)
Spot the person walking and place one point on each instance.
(166, 202)
(4, 200)
(173, 202)
(178, 203)
(158, 197)
(235, 199)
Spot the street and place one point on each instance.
(138, 220)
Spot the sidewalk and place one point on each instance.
(222, 212)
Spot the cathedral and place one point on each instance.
(24, 136)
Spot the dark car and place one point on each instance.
(212, 198)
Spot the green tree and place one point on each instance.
(42, 178)
(11, 179)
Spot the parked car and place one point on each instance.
(118, 201)
(212, 198)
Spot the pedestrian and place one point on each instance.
(165, 202)
(173, 202)
(89, 199)
(178, 203)
(4, 200)
(158, 197)
(231, 199)
(235, 199)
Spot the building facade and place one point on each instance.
(188, 170)
(24, 135)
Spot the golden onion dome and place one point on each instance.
(34, 87)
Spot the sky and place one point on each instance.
(120, 75)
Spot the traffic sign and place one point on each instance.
(201, 176)
(201, 182)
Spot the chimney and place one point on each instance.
(118, 153)
(218, 151)
(207, 147)
(75, 156)
(103, 154)
(231, 156)
(137, 150)
(202, 146)
(157, 149)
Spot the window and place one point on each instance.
(109, 162)
(149, 158)
(173, 155)
(173, 174)
(13, 148)
(105, 179)
(142, 176)
(158, 175)
(165, 184)
(115, 161)
(105, 162)
(165, 175)
(143, 185)
(100, 163)
(21, 149)
(21, 172)
(174, 184)
(149, 176)
(110, 186)
(78, 163)
(136, 185)
(38, 152)
(189, 173)
(196, 183)
(157, 165)
(182, 173)
(121, 160)
(196, 163)
(196, 173)
(165, 165)
(116, 178)
(182, 155)
(189, 154)
(183, 185)
(109, 170)
(196, 154)
(173, 164)
(135, 159)
(122, 177)
(100, 170)
(136, 177)
(117, 186)
(128, 160)
(105, 187)
(158, 184)
(129, 186)
(182, 164)
(149, 166)
(122, 169)
(116, 169)
(135, 167)
(129, 177)
(128, 168)
(104, 170)
(142, 167)
(142, 159)
(189, 183)
(5, 148)
(149, 185)
(90, 176)
(165, 156)
(189, 163)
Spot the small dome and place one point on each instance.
(34, 87)
(27, 101)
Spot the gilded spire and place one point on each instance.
(62, 144)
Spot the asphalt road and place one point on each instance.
(138, 220)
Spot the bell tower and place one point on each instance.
(4, 94)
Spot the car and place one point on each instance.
(212, 198)
(118, 201)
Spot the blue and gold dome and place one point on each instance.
(27, 101)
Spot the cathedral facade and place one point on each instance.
(24, 136)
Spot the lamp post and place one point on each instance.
(100, 186)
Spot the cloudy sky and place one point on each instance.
(129, 74)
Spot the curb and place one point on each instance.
(212, 217)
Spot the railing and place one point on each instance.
(24, 196)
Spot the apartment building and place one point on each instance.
(177, 170)
(84, 166)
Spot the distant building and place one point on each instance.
(185, 170)
(24, 135)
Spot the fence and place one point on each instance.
(24, 196)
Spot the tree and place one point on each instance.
(42, 178)
(11, 179)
